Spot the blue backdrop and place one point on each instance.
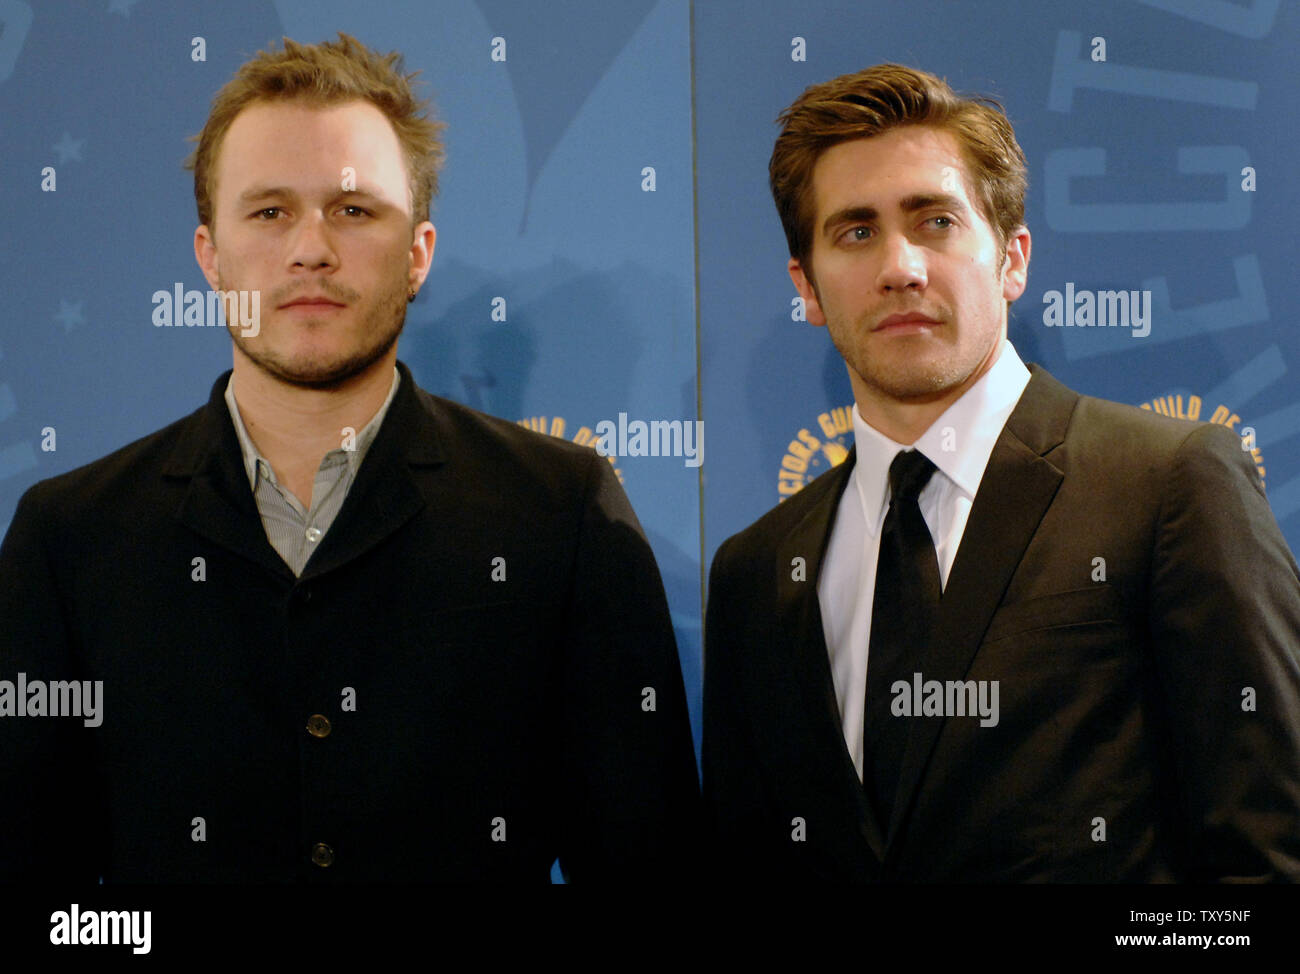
(608, 180)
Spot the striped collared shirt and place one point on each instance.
(293, 530)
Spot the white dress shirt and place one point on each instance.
(958, 444)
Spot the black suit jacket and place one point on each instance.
(497, 723)
(1149, 723)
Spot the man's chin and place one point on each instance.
(316, 372)
(325, 358)
(916, 382)
(332, 376)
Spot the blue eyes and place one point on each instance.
(860, 234)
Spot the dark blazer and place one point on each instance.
(1123, 703)
(496, 723)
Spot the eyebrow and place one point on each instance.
(908, 204)
(255, 194)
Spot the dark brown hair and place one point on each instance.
(870, 102)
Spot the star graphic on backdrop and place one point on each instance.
(70, 314)
(122, 7)
(69, 148)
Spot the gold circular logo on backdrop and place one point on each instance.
(1191, 407)
(556, 426)
(815, 449)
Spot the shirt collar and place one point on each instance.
(958, 443)
(255, 462)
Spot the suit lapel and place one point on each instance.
(385, 494)
(219, 504)
(1017, 487)
(812, 731)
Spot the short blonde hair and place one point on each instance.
(325, 74)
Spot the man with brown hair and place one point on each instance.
(1020, 634)
(344, 630)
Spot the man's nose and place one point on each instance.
(903, 264)
(311, 246)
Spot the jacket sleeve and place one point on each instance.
(51, 820)
(738, 850)
(1225, 620)
(631, 791)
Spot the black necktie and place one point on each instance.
(902, 619)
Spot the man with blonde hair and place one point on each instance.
(344, 630)
(1019, 635)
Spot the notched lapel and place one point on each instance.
(1017, 488)
(811, 733)
(219, 504)
(385, 494)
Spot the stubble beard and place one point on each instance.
(383, 325)
(901, 376)
(904, 378)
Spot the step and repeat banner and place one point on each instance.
(608, 251)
